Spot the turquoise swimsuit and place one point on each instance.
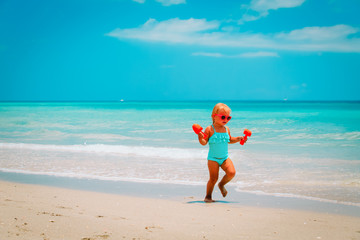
(218, 146)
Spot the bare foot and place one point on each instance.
(222, 190)
(208, 200)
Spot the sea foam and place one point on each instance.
(145, 151)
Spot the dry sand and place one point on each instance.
(40, 212)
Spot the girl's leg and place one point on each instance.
(214, 174)
(230, 172)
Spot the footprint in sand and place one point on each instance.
(96, 237)
(51, 214)
(62, 207)
(149, 228)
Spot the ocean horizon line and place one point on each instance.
(178, 101)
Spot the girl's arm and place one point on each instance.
(234, 139)
(203, 141)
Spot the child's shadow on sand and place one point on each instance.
(217, 201)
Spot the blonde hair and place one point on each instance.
(218, 107)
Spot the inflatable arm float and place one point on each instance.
(247, 133)
(197, 129)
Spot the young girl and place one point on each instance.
(218, 136)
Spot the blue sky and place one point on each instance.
(179, 50)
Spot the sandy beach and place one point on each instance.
(41, 212)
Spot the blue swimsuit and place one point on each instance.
(218, 146)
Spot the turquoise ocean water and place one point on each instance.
(298, 149)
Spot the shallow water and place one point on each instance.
(306, 150)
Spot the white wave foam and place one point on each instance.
(143, 151)
(105, 178)
(350, 136)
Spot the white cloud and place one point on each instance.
(260, 8)
(266, 5)
(165, 2)
(298, 87)
(208, 33)
(205, 54)
(171, 2)
(248, 18)
(319, 34)
(259, 54)
(242, 55)
(170, 31)
(139, 1)
(330, 39)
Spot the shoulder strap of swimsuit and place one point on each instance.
(213, 128)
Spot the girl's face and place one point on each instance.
(222, 117)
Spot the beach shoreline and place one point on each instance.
(178, 192)
(42, 212)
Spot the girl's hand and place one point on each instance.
(241, 138)
(201, 135)
(202, 139)
(235, 139)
